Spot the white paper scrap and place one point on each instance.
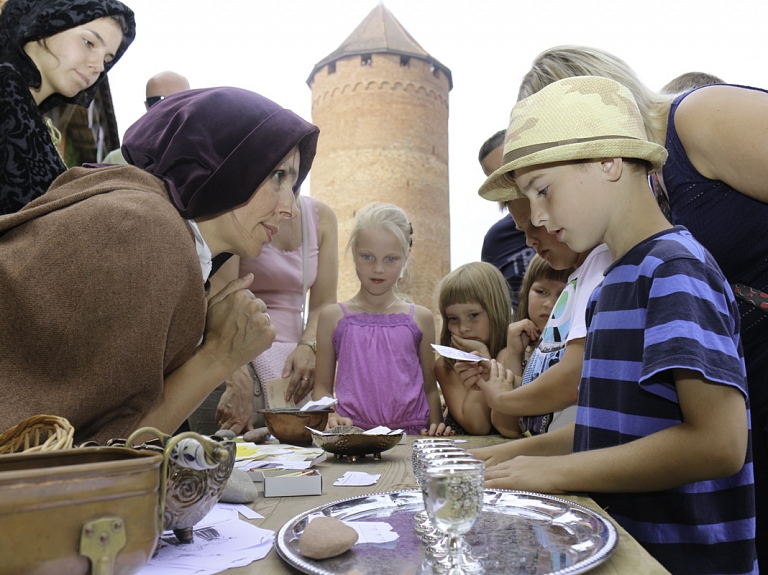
(243, 510)
(217, 548)
(367, 531)
(454, 353)
(382, 430)
(351, 478)
(373, 532)
(322, 403)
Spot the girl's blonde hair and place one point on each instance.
(393, 219)
(482, 283)
(384, 216)
(538, 269)
(563, 62)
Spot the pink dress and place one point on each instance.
(379, 380)
(278, 278)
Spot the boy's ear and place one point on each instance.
(612, 168)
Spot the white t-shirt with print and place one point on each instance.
(566, 322)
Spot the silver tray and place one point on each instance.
(516, 532)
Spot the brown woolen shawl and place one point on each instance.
(100, 284)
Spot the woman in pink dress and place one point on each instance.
(279, 282)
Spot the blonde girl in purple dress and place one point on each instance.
(380, 342)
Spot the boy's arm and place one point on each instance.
(555, 389)
(468, 407)
(710, 443)
(558, 442)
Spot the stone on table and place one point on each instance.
(326, 537)
(239, 488)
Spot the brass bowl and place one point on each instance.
(290, 425)
(350, 441)
(62, 510)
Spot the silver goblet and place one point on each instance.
(454, 500)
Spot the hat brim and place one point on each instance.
(500, 186)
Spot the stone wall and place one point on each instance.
(384, 138)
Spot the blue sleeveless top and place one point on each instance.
(734, 228)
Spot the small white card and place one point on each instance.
(322, 403)
(356, 478)
(373, 532)
(368, 531)
(382, 430)
(454, 353)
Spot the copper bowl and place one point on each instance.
(290, 425)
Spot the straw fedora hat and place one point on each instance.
(577, 118)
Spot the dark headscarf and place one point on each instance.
(23, 21)
(213, 147)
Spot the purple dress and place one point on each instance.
(379, 380)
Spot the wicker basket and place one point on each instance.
(38, 433)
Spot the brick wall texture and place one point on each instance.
(384, 138)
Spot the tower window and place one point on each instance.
(332, 68)
(365, 60)
(405, 61)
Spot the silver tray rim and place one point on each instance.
(579, 567)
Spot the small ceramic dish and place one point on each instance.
(350, 441)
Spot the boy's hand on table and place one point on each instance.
(524, 473)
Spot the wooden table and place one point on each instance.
(396, 474)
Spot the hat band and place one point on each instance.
(513, 155)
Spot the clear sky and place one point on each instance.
(271, 46)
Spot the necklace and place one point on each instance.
(397, 299)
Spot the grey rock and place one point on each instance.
(225, 434)
(239, 488)
(258, 435)
(326, 537)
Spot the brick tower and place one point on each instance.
(381, 102)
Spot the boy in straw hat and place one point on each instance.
(661, 438)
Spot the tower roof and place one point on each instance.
(380, 32)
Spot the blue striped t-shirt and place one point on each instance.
(666, 305)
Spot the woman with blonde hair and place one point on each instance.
(716, 183)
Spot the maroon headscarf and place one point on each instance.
(213, 147)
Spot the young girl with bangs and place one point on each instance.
(475, 307)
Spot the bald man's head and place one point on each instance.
(164, 84)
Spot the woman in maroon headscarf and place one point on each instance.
(105, 318)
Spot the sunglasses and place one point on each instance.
(152, 100)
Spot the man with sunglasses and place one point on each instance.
(159, 86)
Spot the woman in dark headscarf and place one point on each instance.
(101, 279)
(52, 52)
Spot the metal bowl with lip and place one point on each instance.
(197, 471)
(290, 425)
(350, 441)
